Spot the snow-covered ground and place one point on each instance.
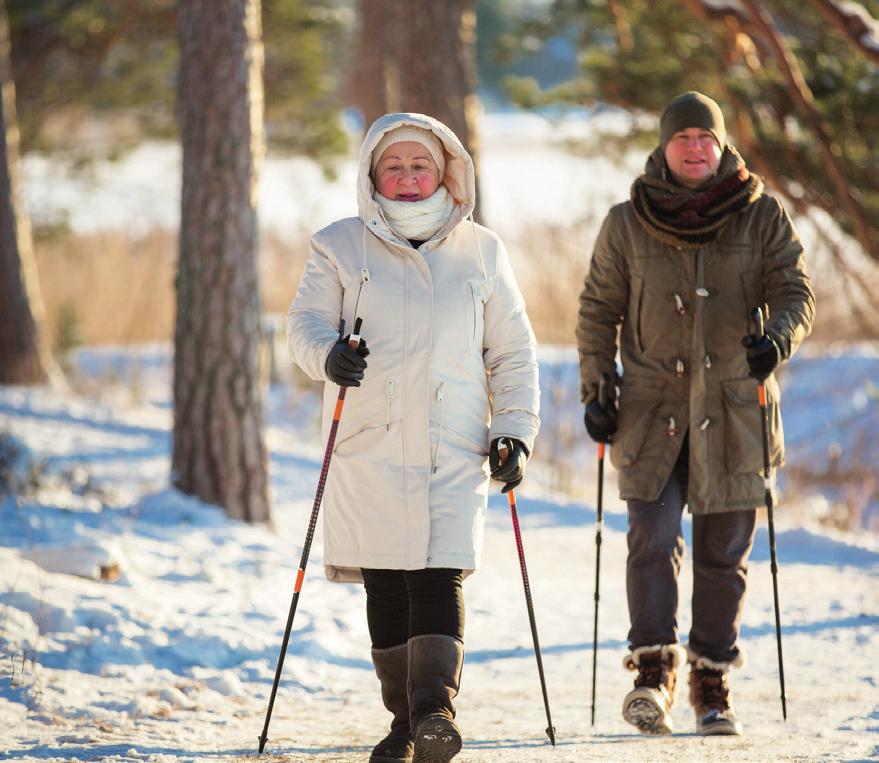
(171, 656)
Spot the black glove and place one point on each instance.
(345, 365)
(763, 355)
(600, 417)
(511, 471)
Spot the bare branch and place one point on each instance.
(854, 21)
(802, 95)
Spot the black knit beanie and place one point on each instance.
(691, 110)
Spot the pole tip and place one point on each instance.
(550, 732)
(262, 742)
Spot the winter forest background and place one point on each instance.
(163, 164)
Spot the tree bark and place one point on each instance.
(24, 353)
(218, 452)
(418, 56)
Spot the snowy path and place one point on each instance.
(173, 662)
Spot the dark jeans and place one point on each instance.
(401, 604)
(721, 544)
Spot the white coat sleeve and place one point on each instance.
(510, 357)
(313, 318)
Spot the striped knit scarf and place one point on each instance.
(692, 217)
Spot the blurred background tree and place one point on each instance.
(801, 93)
(417, 56)
(24, 350)
(219, 451)
(95, 77)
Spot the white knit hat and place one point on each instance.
(418, 134)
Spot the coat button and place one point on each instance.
(705, 424)
(702, 292)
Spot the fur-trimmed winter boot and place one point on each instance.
(435, 664)
(711, 698)
(392, 669)
(648, 705)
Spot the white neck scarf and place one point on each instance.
(419, 220)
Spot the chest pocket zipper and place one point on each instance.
(389, 391)
(478, 303)
(440, 398)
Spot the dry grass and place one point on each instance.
(119, 289)
(553, 261)
(114, 288)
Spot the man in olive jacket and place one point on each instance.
(678, 270)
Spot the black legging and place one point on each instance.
(401, 604)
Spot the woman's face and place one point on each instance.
(693, 156)
(406, 172)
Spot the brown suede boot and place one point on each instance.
(711, 698)
(435, 664)
(648, 705)
(391, 667)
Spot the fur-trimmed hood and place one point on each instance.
(459, 177)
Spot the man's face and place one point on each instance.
(693, 156)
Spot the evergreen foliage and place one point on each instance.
(96, 63)
(639, 54)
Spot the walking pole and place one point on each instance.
(511, 496)
(353, 341)
(757, 315)
(599, 522)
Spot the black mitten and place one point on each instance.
(762, 354)
(512, 470)
(345, 364)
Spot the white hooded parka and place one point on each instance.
(451, 367)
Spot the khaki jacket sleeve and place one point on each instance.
(786, 286)
(602, 306)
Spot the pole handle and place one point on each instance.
(757, 322)
(354, 339)
(604, 390)
(504, 448)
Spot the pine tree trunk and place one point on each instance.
(24, 355)
(218, 453)
(419, 56)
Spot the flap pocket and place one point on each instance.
(743, 433)
(639, 401)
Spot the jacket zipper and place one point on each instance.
(389, 391)
(440, 397)
(477, 299)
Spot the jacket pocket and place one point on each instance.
(639, 401)
(476, 311)
(743, 433)
(361, 440)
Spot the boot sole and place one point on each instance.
(647, 717)
(389, 759)
(437, 740)
(720, 728)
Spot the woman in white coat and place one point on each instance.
(449, 383)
